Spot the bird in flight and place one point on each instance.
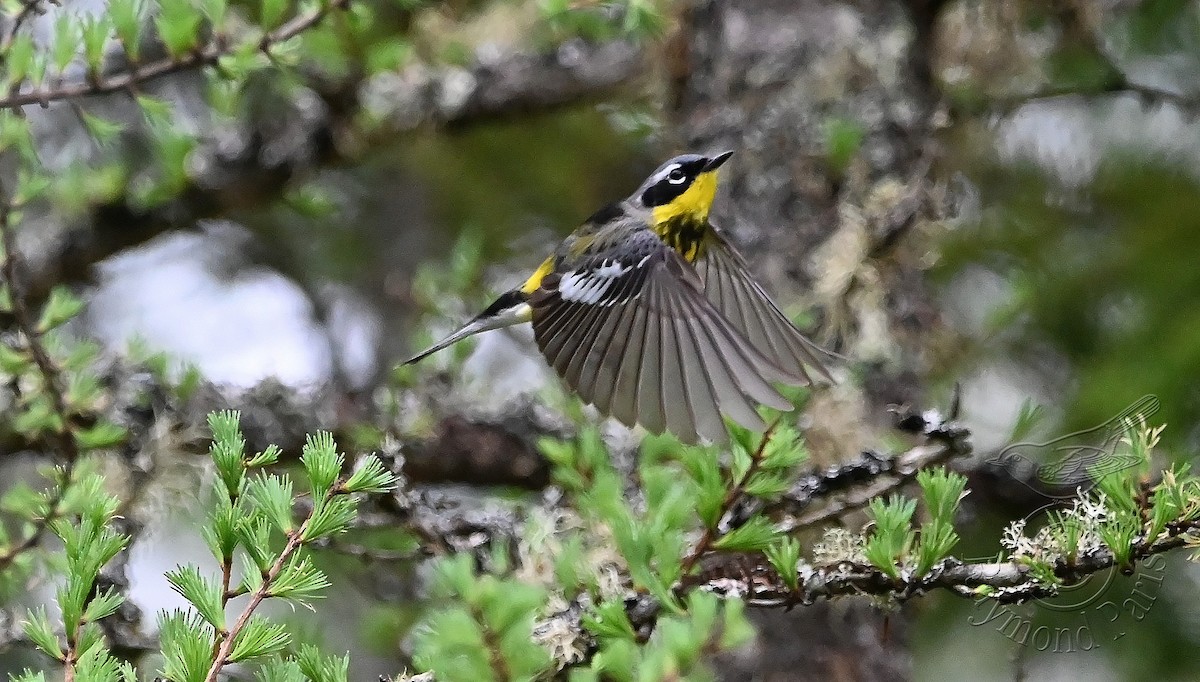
(649, 313)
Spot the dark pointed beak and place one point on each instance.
(716, 161)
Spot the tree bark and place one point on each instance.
(791, 85)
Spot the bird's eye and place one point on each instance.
(676, 176)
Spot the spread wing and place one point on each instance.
(733, 291)
(629, 329)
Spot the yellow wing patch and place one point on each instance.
(535, 280)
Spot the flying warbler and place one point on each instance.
(649, 313)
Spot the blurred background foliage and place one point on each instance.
(295, 194)
(1082, 211)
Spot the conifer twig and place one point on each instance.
(711, 533)
(295, 540)
(61, 438)
(227, 639)
(135, 76)
(25, 324)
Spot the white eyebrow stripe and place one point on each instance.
(667, 171)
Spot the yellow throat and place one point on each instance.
(683, 223)
(693, 205)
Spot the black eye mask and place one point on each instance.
(664, 191)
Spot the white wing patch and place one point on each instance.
(611, 269)
(590, 286)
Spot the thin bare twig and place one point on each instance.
(28, 9)
(902, 470)
(851, 486)
(1117, 82)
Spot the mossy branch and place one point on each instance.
(754, 582)
(1005, 582)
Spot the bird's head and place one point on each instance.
(683, 187)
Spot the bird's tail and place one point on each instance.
(509, 309)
